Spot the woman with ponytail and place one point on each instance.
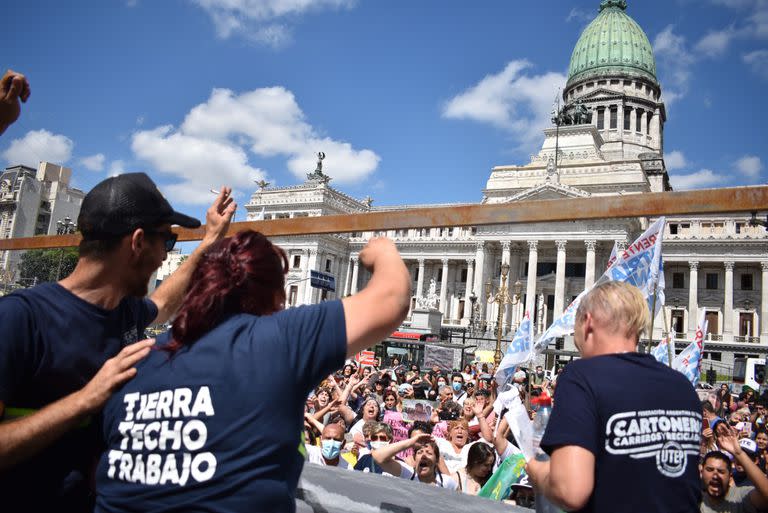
(213, 419)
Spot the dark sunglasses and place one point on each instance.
(169, 239)
(379, 438)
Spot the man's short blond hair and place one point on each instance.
(618, 307)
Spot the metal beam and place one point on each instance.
(702, 202)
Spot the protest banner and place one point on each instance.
(418, 410)
(638, 265)
(498, 486)
(519, 350)
(689, 361)
(436, 355)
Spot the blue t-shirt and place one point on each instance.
(642, 421)
(52, 344)
(217, 426)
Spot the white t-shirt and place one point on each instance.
(357, 428)
(441, 480)
(453, 460)
(315, 455)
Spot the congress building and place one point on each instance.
(608, 139)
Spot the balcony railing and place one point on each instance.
(745, 339)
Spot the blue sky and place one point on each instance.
(203, 92)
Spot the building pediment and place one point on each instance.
(549, 191)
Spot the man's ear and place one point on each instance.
(138, 241)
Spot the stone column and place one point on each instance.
(514, 275)
(348, 280)
(656, 131)
(480, 279)
(533, 262)
(589, 273)
(311, 266)
(644, 123)
(764, 304)
(559, 280)
(420, 280)
(468, 291)
(444, 289)
(693, 298)
(728, 301)
(355, 273)
(619, 121)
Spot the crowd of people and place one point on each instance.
(209, 415)
(357, 419)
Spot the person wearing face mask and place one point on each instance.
(381, 436)
(426, 457)
(457, 383)
(329, 452)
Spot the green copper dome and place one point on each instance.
(613, 44)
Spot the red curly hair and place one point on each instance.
(240, 274)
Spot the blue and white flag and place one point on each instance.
(638, 265)
(689, 361)
(614, 254)
(519, 350)
(661, 351)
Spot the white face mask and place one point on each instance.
(378, 444)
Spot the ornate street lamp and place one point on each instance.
(473, 312)
(501, 298)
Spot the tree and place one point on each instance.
(39, 265)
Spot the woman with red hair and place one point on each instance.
(212, 420)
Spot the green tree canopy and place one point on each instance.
(39, 265)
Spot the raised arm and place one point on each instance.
(170, 293)
(758, 496)
(385, 456)
(375, 312)
(22, 438)
(485, 429)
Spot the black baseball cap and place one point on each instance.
(123, 203)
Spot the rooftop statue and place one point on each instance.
(317, 175)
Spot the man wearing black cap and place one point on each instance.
(67, 346)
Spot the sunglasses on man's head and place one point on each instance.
(169, 239)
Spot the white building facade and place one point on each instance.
(32, 202)
(609, 141)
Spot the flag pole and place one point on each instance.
(653, 318)
(670, 339)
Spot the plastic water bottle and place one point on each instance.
(543, 505)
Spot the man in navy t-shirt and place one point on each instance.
(58, 336)
(625, 430)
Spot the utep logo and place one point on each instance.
(668, 436)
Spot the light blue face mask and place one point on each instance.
(457, 387)
(331, 449)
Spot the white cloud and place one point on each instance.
(39, 145)
(675, 160)
(749, 166)
(518, 103)
(211, 147)
(117, 167)
(697, 180)
(675, 61)
(93, 162)
(258, 20)
(758, 61)
(715, 43)
(580, 15)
